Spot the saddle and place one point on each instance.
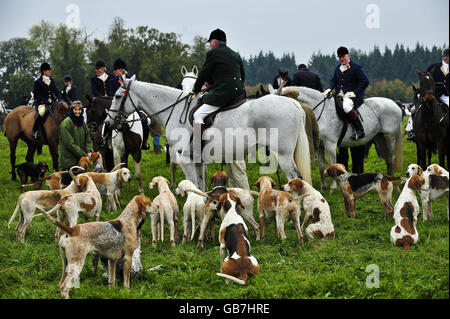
(209, 120)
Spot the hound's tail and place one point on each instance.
(239, 281)
(14, 215)
(197, 192)
(67, 229)
(301, 152)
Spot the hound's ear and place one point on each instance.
(195, 70)
(238, 202)
(211, 180)
(46, 168)
(83, 183)
(167, 181)
(183, 70)
(273, 183)
(220, 202)
(258, 183)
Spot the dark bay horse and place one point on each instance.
(426, 119)
(19, 124)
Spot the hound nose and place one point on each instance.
(282, 187)
(407, 174)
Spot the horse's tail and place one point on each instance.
(398, 164)
(301, 152)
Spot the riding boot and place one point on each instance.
(106, 136)
(36, 125)
(356, 123)
(411, 136)
(145, 134)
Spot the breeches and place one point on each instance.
(347, 104)
(204, 111)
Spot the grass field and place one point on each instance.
(321, 269)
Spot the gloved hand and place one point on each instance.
(349, 94)
(327, 92)
(192, 96)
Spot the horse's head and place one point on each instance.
(124, 102)
(426, 84)
(60, 111)
(189, 78)
(96, 111)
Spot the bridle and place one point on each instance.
(120, 117)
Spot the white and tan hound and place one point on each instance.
(315, 206)
(279, 204)
(239, 263)
(114, 239)
(194, 208)
(28, 202)
(353, 186)
(167, 208)
(404, 233)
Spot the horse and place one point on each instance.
(262, 117)
(426, 118)
(126, 140)
(19, 124)
(382, 120)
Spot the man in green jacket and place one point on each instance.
(74, 140)
(224, 70)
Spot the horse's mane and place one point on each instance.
(148, 84)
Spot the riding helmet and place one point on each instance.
(100, 64)
(341, 51)
(120, 64)
(45, 66)
(283, 71)
(218, 35)
(67, 78)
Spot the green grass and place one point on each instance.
(321, 269)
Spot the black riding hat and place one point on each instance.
(283, 71)
(341, 51)
(120, 64)
(67, 78)
(100, 64)
(45, 66)
(218, 35)
(445, 52)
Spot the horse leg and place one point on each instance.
(53, 147)
(421, 154)
(330, 148)
(441, 152)
(12, 158)
(30, 152)
(320, 155)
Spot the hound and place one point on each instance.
(56, 180)
(234, 238)
(84, 163)
(436, 179)
(280, 204)
(97, 161)
(404, 232)
(35, 171)
(28, 202)
(109, 184)
(88, 202)
(353, 186)
(113, 240)
(167, 207)
(315, 206)
(192, 209)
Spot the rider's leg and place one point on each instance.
(353, 119)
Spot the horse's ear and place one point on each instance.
(432, 69)
(89, 99)
(419, 73)
(133, 77)
(183, 70)
(414, 88)
(195, 70)
(271, 89)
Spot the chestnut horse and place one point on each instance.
(19, 123)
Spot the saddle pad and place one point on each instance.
(209, 120)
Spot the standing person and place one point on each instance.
(102, 82)
(305, 77)
(224, 70)
(45, 93)
(282, 77)
(74, 141)
(70, 90)
(440, 74)
(350, 82)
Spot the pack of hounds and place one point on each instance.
(117, 243)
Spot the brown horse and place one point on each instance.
(18, 125)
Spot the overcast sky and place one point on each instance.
(288, 26)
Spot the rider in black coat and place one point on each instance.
(307, 78)
(69, 90)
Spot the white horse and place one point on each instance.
(189, 78)
(263, 117)
(382, 120)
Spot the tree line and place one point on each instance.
(157, 57)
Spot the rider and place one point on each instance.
(102, 82)
(224, 70)
(120, 70)
(440, 75)
(281, 78)
(350, 81)
(45, 93)
(305, 77)
(69, 89)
